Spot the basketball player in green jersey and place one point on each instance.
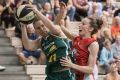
(54, 44)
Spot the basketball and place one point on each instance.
(25, 15)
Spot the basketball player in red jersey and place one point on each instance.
(85, 49)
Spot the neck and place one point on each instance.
(86, 36)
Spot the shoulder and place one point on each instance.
(94, 44)
(93, 47)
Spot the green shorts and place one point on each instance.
(63, 75)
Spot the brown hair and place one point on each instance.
(96, 24)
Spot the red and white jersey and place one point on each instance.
(81, 54)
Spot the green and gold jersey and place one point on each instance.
(55, 48)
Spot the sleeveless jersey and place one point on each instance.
(54, 48)
(81, 54)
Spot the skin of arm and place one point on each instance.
(31, 45)
(93, 49)
(59, 17)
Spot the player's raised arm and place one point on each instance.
(49, 24)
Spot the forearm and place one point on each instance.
(84, 69)
(68, 33)
(25, 38)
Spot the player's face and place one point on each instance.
(84, 27)
(40, 28)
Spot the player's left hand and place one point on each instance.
(66, 61)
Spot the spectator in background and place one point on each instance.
(7, 14)
(113, 74)
(47, 11)
(95, 9)
(116, 47)
(26, 55)
(115, 29)
(108, 8)
(106, 56)
(70, 8)
(82, 8)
